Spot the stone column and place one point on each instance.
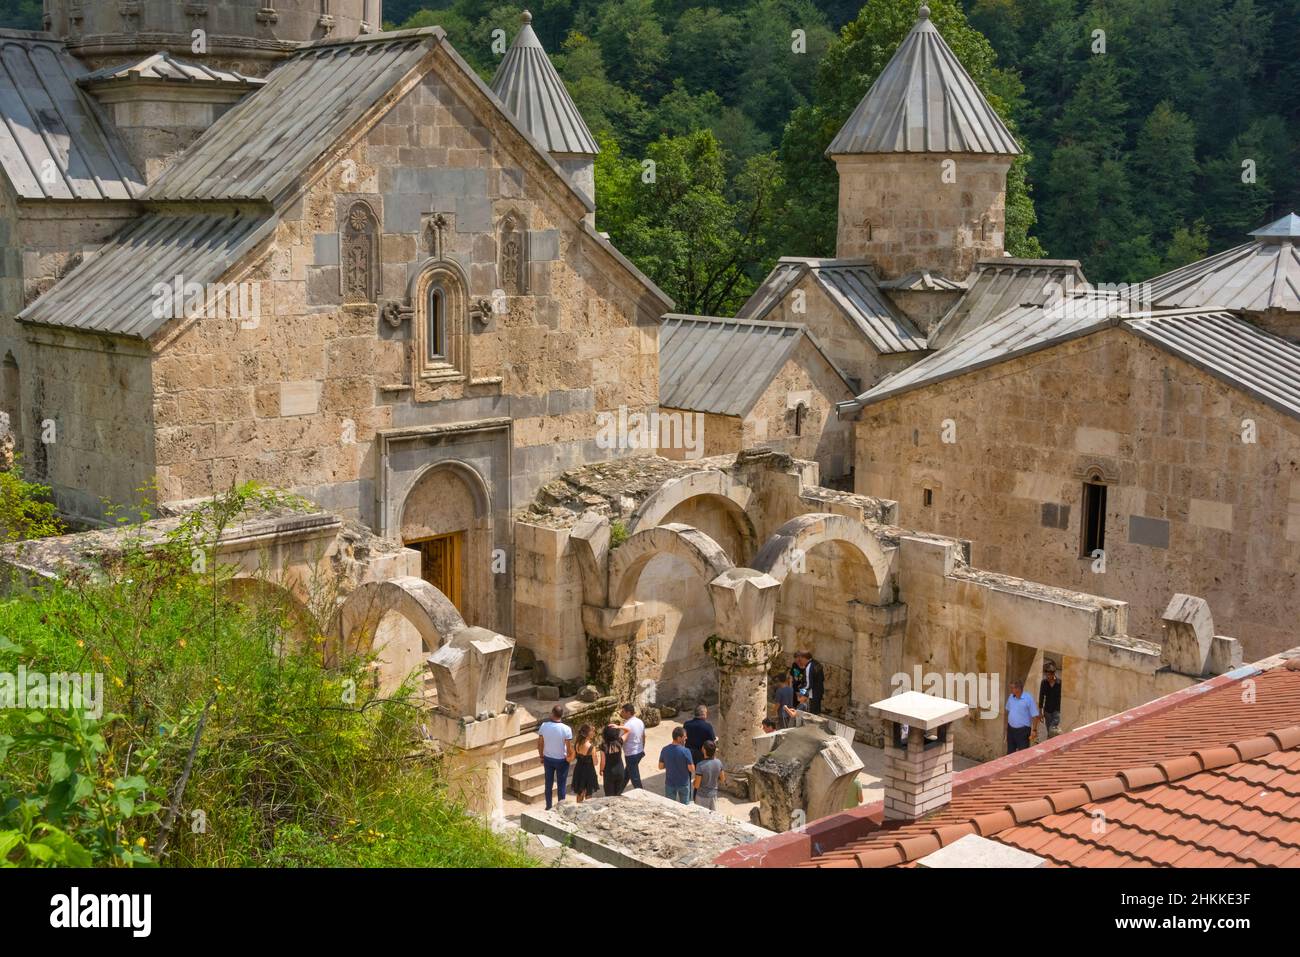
(744, 605)
(473, 720)
(473, 753)
(612, 638)
(878, 633)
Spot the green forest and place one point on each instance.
(1155, 131)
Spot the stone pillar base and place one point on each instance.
(472, 758)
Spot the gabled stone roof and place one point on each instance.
(852, 287)
(526, 82)
(723, 366)
(53, 142)
(924, 101)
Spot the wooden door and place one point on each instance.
(440, 564)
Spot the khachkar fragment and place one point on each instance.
(360, 253)
(806, 773)
(513, 243)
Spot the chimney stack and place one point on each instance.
(918, 753)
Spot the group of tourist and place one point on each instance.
(690, 763)
(799, 689)
(615, 758)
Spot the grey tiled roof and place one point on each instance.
(262, 145)
(526, 82)
(850, 284)
(1002, 284)
(164, 66)
(1226, 346)
(1019, 330)
(924, 101)
(1231, 349)
(53, 142)
(1259, 275)
(723, 366)
(114, 290)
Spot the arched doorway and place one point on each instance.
(826, 564)
(666, 570)
(447, 518)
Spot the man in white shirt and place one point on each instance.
(555, 748)
(633, 745)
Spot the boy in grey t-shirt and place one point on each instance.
(708, 775)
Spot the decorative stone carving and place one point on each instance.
(395, 313)
(268, 15)
(481, 312)
(513, 251)
(735, 654)
(435, 235)
(360, 253)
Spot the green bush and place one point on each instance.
(223, 741)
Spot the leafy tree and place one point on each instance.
(1165, 167)
(679, 222)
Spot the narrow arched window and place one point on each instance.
(442, 346)
(436, 311)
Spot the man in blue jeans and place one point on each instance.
(1022, 714)
(679, 767)
(555, 748)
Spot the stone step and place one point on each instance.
(534, 793)
(533, 777)
(521, 744)
(518, 763)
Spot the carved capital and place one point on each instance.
(731, 655)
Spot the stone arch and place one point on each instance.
(829, 567)
(659, 587)
(401, 621)
(449, 502)
(690, 499)
(802, 534)
(703, 554)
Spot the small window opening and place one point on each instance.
(1094, 517)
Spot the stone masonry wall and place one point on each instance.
(842, 340)
(1190, 507)
(825, 438)
(898, 211)
(298, 401)
(95, 394)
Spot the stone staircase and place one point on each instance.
(522, 769)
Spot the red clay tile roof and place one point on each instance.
(1212, 780)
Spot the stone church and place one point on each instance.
(335, 261)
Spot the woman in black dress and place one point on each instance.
(584, 765)
(611, 761)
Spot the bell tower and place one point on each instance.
(250, 36)
(923, 164)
